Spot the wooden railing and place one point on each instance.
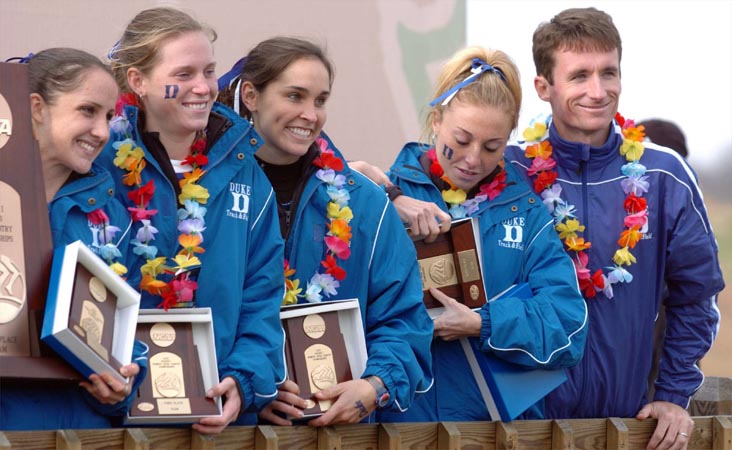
(714, 432)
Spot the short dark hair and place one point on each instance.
(666, 133)
(577, 30)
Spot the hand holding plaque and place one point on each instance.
(452, 264)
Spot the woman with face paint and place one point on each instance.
(343, 238)
(204, 214)
(461, 170)
(71, 101)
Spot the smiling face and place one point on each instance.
(584, 96)
(290, 111)
(180, 90)
(470, 141)
(73, 128)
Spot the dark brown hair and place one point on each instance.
(59, 70)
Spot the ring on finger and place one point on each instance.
(683, 434)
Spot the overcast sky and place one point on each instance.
(676, 64)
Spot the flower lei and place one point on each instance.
(568, 226)
(179, 292)
(457, 198)
(104, 234)
(337, 238)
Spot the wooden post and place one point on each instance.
(714, 398)
(389, 437)
(506, 436)
(135, 439)
(617, 434)
(67, 440)
(562, 435)
(721, 433)
(202, 441)
(265, 438)
(448, 436)
(328, 439)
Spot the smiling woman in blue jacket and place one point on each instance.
(205, 220)
(72, 98)
(478, 97)
(343, 237)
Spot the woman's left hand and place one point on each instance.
(108, 390)
(232, 405)
(457, 320)
(352, 401)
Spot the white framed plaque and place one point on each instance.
(91, 312)
(182, 366)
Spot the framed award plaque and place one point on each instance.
(324, 346)
(25, 240)
(91, 312)
(181, 367)
(452, 264)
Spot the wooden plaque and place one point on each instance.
(92, 316)
(25, 239)
(452, 264)
(174, 384)
(316, 355)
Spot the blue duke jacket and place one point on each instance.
(241, 276)
(678, 249)
(519, 245)
(382, 272)
(36, 406)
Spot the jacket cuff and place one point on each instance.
(485, 327)
(672, 397)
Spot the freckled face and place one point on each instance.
(470, 141)
(181, 88)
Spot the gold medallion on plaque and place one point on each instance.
(92, 322)
(162, 334)
(313, 326)
(442, 271)
(12, 256)
(474, 292)
(97, 289)
(321, 370)
(145, 406)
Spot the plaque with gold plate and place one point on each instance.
(181, 367)
(91, 312)
(452, 264)
(25, 240)
(324, 346)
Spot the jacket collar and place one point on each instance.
(570, 155)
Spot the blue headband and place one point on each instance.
(21, 59)
(226, 79)
(478, 67)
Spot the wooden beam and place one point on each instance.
(721, 433)
(506, 436)
(135, 439)
(562, 435)
(329, 439)
(448, 436)
(265, 438)
(4, 442)
(617, 434)
(201, 441)
(67, 440)
(389, 437)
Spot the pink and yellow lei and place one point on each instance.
(634, 185)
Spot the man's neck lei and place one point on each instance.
(460, 205)
(180, 290)
(102, 244)
(337, 238)
(568, 226)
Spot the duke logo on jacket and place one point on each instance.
(514, 237)
(240, 201)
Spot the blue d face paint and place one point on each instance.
(171, 90)
(447, 152)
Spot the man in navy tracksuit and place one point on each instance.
(642, 210)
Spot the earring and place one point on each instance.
(433, 139)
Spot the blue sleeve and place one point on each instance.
(693, 277)
(256, 360)
(549, 329)
(398, 329)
